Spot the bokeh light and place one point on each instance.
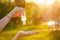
(44, 2)
(58, 0)
(28, 1)
(51, 23)
(12, 0)
(49, 2)
(38, 1)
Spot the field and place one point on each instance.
(44, 33)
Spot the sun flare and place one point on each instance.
(38, 1)
(51, 23)
(28, 1)
(49, 2)
(45, 2)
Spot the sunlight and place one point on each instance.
(38, 1)
(46, 2)
(28, 1)
(51, 23)
(12, 0)
(58, 0)
(49, 2)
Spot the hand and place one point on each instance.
(16, 12)
(25, 33)
(16, 15)
(19, 11)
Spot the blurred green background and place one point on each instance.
(34, 22)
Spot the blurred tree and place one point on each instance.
(20, 3)
(6, 6)
(33, 13)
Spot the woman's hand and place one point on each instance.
(16, 15)
(23, 33)
(19, 11)
(16, 12)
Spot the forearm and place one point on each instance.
(23, 33)
(3, 22)
(12, 12)
(16, 37)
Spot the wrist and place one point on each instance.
(8, 16)
(19, 34)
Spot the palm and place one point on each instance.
(27, 33)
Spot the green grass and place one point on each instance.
(43, 34)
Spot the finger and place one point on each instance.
(15, 15)
(31, 33)
(20, 10)
(25, 33)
